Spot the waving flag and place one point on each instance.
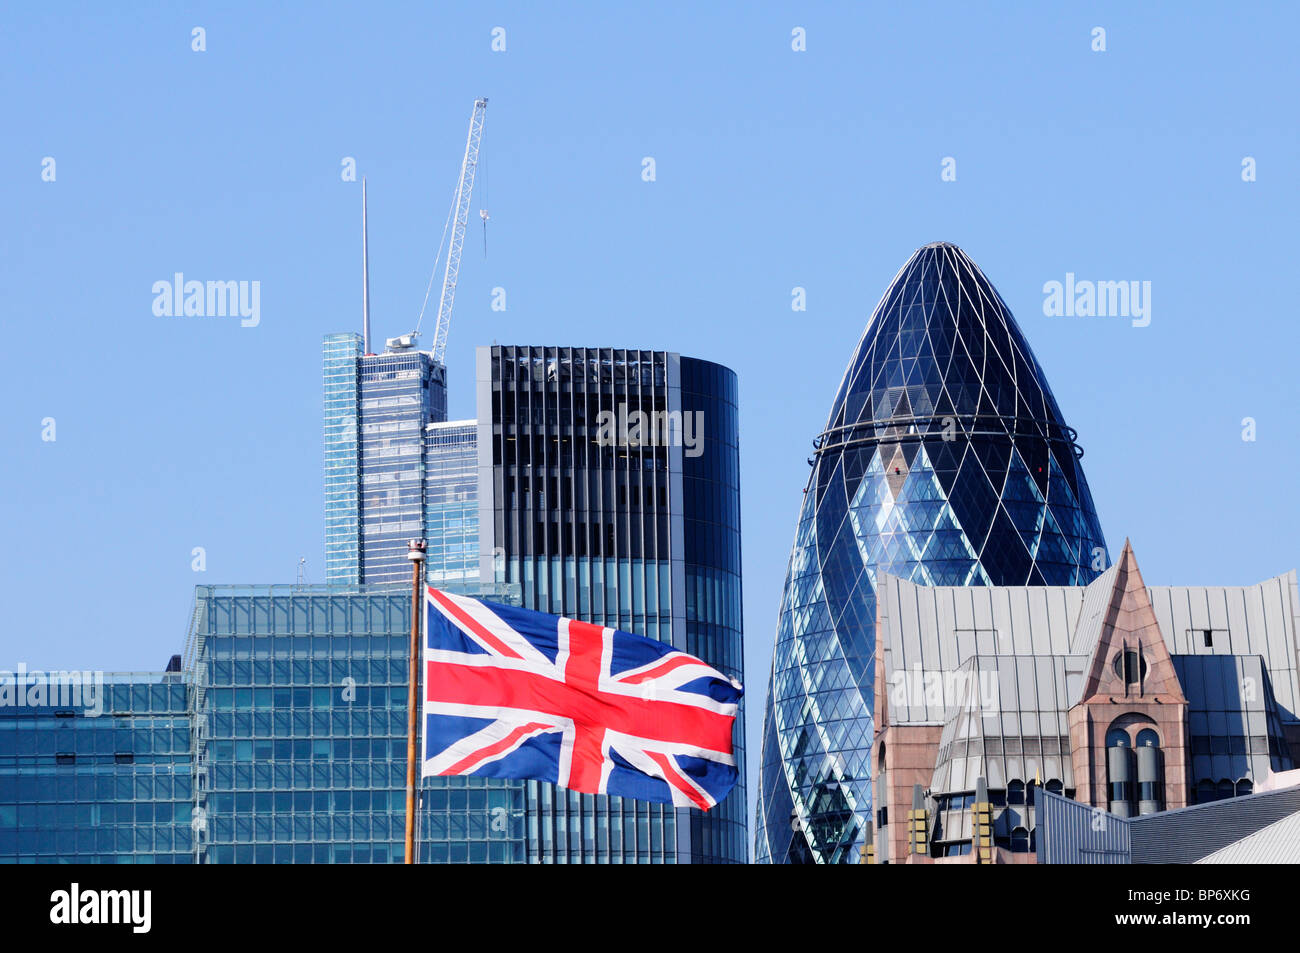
(513, 693)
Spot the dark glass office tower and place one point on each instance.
(609, 491)
(946, 461)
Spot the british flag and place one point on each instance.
(513, 693)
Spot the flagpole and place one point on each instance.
(415, 550)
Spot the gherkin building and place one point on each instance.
(945, 460)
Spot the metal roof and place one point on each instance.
(1278, 843)
(1069, 832)
(1258, 828)
(939, 628)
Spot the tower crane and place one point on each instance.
(457, 221)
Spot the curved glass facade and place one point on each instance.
(944, 460)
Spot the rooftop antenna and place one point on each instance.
(302, 571)
(365, 273)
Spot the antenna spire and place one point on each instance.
(365, 274)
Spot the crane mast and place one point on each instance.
(460, 219)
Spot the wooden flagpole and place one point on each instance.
(415, 550)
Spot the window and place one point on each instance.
(1016, 792)
(1207, 637)
(1020, 840)
(1130, 666)
(1117, 738)
(1147, 738)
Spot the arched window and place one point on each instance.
(1029, 792)
(1226, 789)
(1121, 769)
(1147, 738)
(1015, 792)
(1204, 791)
(1054, 785)
(1245, 786)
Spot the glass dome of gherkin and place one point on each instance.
(945, 460)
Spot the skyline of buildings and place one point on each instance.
(551, 494)
(279, 735)
(603, 484)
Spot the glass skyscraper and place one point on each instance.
(945, 460)
(609, 492)
(395, 470)
(342, 462)
(451, 502)
(377, 407)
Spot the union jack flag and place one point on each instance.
(513, 693)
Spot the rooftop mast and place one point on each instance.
(365, 274)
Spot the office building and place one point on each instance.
(945, 460)
(609, 491)
(105, 778)
(377, 407)
(300, 735)
(600, 483)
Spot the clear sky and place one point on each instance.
(775, 169)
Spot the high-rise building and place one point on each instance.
(601, 484)
(451, 502)
(377, 407)
(342, 460)
(945, 460)
(609, 492)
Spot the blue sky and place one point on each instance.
(775, 169)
